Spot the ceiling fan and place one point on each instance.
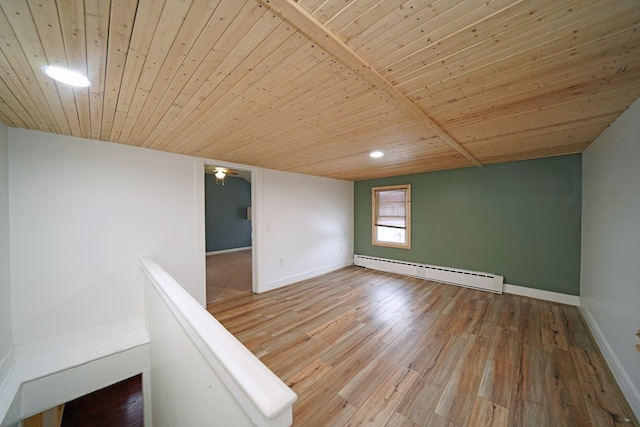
(219, 172)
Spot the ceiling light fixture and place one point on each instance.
(220, 174)
(66, 76)
(376, 154)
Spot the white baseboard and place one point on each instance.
(543, 295)
(629, 389)
(302, 276)
(226, 251)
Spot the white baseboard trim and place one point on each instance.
(629, 389)
(226, 251)
(543, 295)
(289, 280)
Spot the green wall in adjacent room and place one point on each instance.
(226, 223)
(519, 219)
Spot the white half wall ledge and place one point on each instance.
(55, 370)
(629, 389)
(266, 398)
(542, 295)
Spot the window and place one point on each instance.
(391, 216)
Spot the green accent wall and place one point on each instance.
(226, 223)
(521, 220)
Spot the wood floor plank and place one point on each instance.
(529, 380)
(564, 400)
(497, 377)
(509, 317)
(364, 347)
(120, 404)
(530, 328)
(335, 412)
(437, 421)
(362, 385)
(418, 406)
(528, 414)
(307, 376)
(576, 330)
(603, 401)
(487, 413)
(459, 394)
(398, 420)
(313, 399)
(383, 401)
(553, 333)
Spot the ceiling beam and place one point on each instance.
(317, 32)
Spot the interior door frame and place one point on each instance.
(255, 209)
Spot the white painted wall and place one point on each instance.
(305, 227)
(83, 213)
(5, 283)
(610, 270)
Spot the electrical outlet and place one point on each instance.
(281, 262)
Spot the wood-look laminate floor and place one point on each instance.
(120, 405)
(228, 275)
(361, 347)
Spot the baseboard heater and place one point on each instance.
(470, 279)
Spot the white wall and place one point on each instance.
(305, 227)
(83, 213)
(5, 286)
(610, 271)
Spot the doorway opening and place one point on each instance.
(228, 233)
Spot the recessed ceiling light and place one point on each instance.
(66, 76)
(376, 154)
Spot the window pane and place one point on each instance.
(391, 216)
(391, 235)
(391, 208)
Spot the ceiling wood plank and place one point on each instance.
(236, 82)
(22, 67)
(145, 30)
(268, 34)
(122, 15)
(48, 25)
(72, 24)
(97, 29)
(163, 103)
(514, 48)
(179, 25)
(250, 89)
(348, 14)
(207, 75)
(164, 63)
(316, 31)
(12, 108)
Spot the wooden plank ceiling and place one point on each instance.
(313, 86)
